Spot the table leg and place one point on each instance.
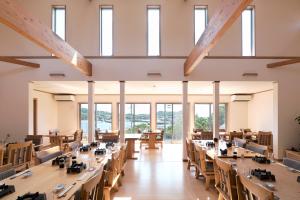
(130, 149)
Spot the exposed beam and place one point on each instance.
(223, 18)
(283, 63)
(18, 19)
(19, 62)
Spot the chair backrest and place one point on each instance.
(1, 156)
(206, 135)
(36, 139)
(245, 130)
(196, 136)
(114, 169)
(235, 134)
(78, 135)
(240, 142)
(264, 138)
(249, 190)
(261, 149)
(93, 188)
(197, 153)
(56, 140)
(202, 157)
(291, 163)
(190, 149)
(110, 137)
(6, 171)
(123, 156)
(225, 179)
(20, 153)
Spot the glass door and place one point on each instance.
(169, 119)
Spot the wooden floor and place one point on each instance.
(161, 175)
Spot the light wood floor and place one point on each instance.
(161, 175)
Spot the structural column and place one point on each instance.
(185, 117)
(216, 111)
(122, 111)
(91, 110)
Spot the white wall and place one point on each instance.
(260, 112)
(47, 112)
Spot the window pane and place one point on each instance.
(84, 118)
(104, 117)
(200, 21)
(248, 32)
(137, 118)
(153, 32)
(203, 118)
(222, 115)
(59, 21)
(106, 41)
(169, 119)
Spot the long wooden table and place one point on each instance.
(45, 177)
(286, 185)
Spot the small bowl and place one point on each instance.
(59, 187)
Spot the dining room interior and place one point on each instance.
(149, 100)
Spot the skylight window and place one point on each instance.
(200, 21)
(59, 21)
(106, 31)
(248, 40)
(153, 17)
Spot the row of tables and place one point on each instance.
(45, 177)
(285, 186)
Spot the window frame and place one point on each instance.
(149, 7)
(100, 29)
(164, 103)
(205, 7)
(53, 8)
(111, 111)
(210, 112)
(118, 113)
(253, 30)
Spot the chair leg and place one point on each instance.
(220, 197)
(207, 182)
(197, 173)
(189, 165)
(106, 194)
(123, 172)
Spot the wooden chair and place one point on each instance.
(225, 180)
(206, 135)
(264, 138)
(261, 149)
(112, 175)
(56, 140)
(144, 139)
(205, 166)
(235, 134)
(20, 154)
(248, 190)
(123, 158)
(93, 188)
(196, 136)
(160, 138)
(190, 153)
(37, 140)
(6, 171)
(1, 156)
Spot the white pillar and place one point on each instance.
(216, 102)
(275, 121)
(122, 111)
(91, 111)
(185, 117)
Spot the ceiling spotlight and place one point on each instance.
(250, 74)
(57, 75)
(153, 74)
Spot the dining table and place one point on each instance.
(151, 140)
(130, 139)
(45, 177)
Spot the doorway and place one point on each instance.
(35, 117)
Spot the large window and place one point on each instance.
(169, 119)
(200, 21)
(137, 117)
(106, 30)
(153, 19)
(84, 125)
(59, 21)
(204, 116)
(103, 117)
(248, 36)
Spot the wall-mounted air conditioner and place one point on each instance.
(241, 97)
(64, 97)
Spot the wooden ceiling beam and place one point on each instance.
(19, 62)
(18, 19)
(283, 63)
(223, 18)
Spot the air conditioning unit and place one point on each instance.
(64, 97)
(241, 97)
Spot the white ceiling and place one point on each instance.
(151, 87)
